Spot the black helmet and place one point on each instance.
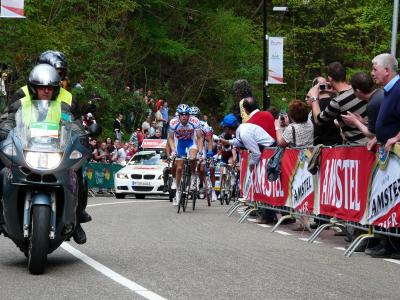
(44, 75)
(55, 58)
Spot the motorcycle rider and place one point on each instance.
(44, 84)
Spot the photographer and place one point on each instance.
(326, 133)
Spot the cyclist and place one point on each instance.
(228, 152)
(185, 137)
(208, 144)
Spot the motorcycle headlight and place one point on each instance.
(122, 176)
(43, 160)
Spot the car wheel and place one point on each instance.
(140, 196)
(120, 196)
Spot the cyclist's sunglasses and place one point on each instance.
(184, 114)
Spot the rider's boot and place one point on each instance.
(79, 235)
(82, 215)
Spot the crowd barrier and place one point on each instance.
(100, 175)
(353, 187)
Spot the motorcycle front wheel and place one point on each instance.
(39, 240)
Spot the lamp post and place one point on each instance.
(394, 26)
(266, 97)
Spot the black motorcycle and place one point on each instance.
(39, 182)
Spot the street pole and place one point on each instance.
(266, 98)
(394, 26)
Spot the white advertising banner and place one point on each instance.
(275, 60)
(12, 9)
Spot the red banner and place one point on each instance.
(344, 178)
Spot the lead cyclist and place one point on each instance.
(185, 138)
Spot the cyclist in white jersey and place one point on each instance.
(185, 138)
(208, 143)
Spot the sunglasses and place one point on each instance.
(184, 114)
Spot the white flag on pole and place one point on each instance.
(275, 60)
(12, 9)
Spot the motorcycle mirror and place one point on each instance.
(95, 130)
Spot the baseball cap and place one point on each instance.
(229, 121)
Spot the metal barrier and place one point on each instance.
(364, 213)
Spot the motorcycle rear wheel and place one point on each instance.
(39, 240)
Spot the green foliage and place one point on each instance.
(192, 51)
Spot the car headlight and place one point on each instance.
(122, 176)
(160, 177)
(43, 160)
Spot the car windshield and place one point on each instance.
(145, 159)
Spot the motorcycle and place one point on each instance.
(39, 182)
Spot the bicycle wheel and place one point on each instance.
(194, 197)
(207, 191)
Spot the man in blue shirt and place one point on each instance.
(387, 129)
(164, 112)
(384, 73)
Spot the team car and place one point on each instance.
(142, 175)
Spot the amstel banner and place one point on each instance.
(343, 183)
(384, 189)
(353, 184)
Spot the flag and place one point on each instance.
(275, 60)
(12, 9)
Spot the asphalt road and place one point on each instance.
(144, 249)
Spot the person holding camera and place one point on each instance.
(327, 133)
(345, 101)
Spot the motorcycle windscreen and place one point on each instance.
(41, 128)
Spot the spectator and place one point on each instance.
(242, 91)
(134, 137)
(88, 120)
(132, 149)
(345, 101)
(165, 116)
(80, 83)
(93, 147)
(127, 89)
(159, 119)
(3, 91)
(140, 136)
(110, 148)
(157, 134)
(146, 124)
(326, 133)
(152, 129)
(387, 129)
(256, 133)
(363, 87)
(103, 155)
(117, 127)
(146, 134)
(299, 133)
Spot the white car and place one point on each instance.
(142, 175)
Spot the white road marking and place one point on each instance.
(340, 248)
(395, 261)
(125, 202)
(133, 286)
(282, 232)
(264, 225)
(306, 240)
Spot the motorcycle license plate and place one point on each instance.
(141, 183)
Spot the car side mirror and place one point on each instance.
(163, 155)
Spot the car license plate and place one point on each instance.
(141, 183)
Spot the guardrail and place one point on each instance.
(353, 187)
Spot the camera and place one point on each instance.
(324, 86)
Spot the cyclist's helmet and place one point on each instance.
(194, 111)
(183, 108)
(230, 121)
(44, 75)
(55, 58)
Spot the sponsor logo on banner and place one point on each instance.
(344, 177)
(384, 196)
(302, 184)
(154, 144)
